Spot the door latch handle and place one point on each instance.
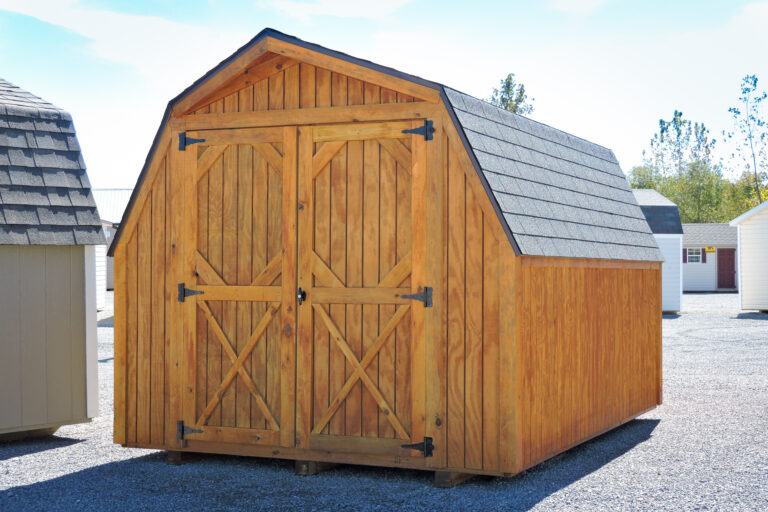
(301, 296)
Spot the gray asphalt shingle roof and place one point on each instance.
(703, 235)
(45, 196)
(662, 214)
(560, 195)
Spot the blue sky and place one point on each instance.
(605, 70)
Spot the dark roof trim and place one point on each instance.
(268, 32)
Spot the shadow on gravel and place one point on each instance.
(34, 445)
(217, 482)
(670, 316)
(539, 482)
(752, 316)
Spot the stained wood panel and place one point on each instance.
(472, 328)
(349, 240)
(144, 394)
(300, 85)
(586, 350)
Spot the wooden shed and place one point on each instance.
(329, 260)
(49, 230)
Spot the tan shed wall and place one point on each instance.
(44, 338)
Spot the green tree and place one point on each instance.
(511, 96)
(644, 176)
(698, 191)
(679, 142)
(740, 195)
(679, 165)
(751, 132)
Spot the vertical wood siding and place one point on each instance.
(142, 302)
(304, 86)
(588, 351)
(473, 297)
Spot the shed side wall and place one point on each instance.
(42, 336)
(588, 351)
(143, 294)
(753, 263)
(478, 255)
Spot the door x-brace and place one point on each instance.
(359, 369)
(237, 363)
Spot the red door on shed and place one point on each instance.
(726, 268)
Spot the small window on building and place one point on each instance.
(694, 255)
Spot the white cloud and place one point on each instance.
(576, 6)
(151, 45)
(117, 121)
(305, 10)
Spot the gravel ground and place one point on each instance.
(706, 448)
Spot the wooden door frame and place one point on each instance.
(286, 296)
(420, 187)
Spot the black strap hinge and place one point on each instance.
(181, 430)
(185, 292)
(426, 447)
(424, 296)
(427, 130)
(185, 141)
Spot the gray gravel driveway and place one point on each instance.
(706, 448)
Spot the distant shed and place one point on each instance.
(663, 218)
(329, 260)
(753, 264)
(49, 229)
(710, 257)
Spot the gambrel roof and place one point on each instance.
(45, 196)
(554, 194)
(560, 195)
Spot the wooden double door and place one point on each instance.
(299, 250)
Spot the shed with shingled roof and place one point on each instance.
(49, 228)
(360, 265)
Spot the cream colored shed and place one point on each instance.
(49, 231)
(753, 264)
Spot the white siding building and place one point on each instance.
(753, 263)
(709, 258)
(664, 220)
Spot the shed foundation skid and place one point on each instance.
(336, 282)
